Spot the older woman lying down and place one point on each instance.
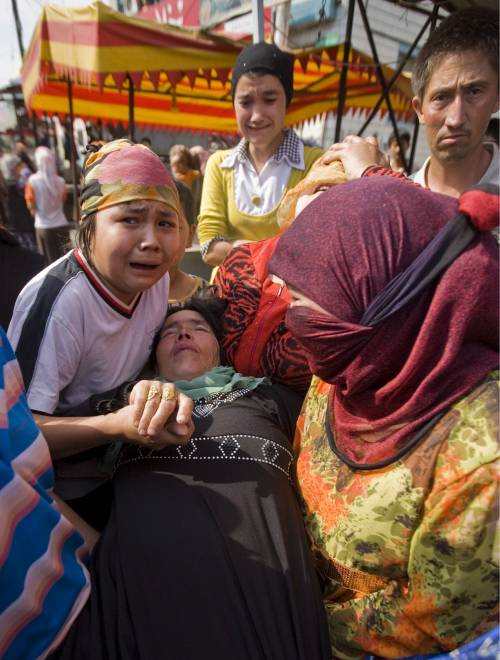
(205, 554)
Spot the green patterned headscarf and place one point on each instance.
(218, 380)
(121, 171)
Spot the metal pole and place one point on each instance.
(413, 149)
(72, 151)
(19, 32)
(323, 130)
(416, 123)
(345, 67)
(34, 127)
(258, 20)
(55, 143)
(382, 81)
(396, 75)
(18, 118)
(19, 28)
(131, 125)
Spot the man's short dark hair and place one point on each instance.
(473, 29)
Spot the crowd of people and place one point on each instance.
(298, 461)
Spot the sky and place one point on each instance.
(29, 12)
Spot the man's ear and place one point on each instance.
(417, 106)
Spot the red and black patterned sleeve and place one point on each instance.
(282, 358)
(378, 170)
(237, 283)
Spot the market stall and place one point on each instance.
(133, 71)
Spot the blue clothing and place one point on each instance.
(43, 582)
(486, 647)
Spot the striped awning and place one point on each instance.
(180, 78)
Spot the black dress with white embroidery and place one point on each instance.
(205, 555)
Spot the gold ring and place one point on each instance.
(169, 395)
(153, 391)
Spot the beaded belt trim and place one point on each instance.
(233, 447)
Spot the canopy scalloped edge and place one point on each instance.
(348, 110)
(100, 51)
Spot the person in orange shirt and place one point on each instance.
(184, 170)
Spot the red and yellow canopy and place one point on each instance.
(180, 78)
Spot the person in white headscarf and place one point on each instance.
(45, 192)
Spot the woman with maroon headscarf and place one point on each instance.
(397, 308)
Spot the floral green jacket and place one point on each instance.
(409, 552)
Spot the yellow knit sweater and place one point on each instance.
(219, 215)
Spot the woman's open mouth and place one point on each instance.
(145, 267)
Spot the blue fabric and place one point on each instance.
(38, 548)
(486, 647)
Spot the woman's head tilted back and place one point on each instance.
(340, 253)
(130, 217)
(188, 343)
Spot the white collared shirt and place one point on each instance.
(259, 193)
(491, 175)
(82, 339)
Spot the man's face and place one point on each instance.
(458, 101)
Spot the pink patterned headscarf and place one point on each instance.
(121, 171)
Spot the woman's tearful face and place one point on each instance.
(188, 347)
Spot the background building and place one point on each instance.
(394, 29)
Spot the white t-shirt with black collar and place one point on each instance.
(73, 338)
